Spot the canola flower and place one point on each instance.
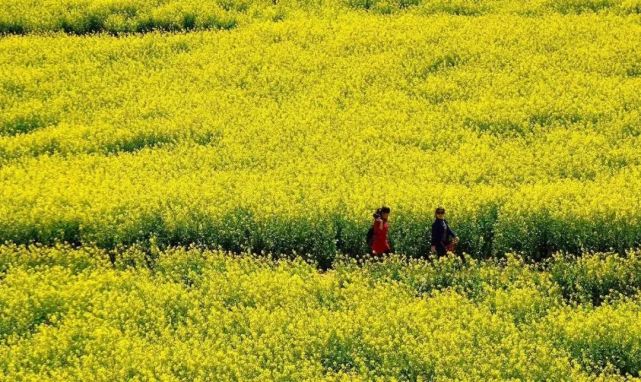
(140, 16)
(189, 314)
(282, 137)
(276, 127)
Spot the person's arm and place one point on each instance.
(435, 235)
(378, 231)
(433, 239)
(378, 225)
(451, 232)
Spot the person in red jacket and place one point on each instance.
(380, 242)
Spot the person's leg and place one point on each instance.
(440, 250)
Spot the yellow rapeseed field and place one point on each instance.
(284, 135)
(173, 174)
(69, 315)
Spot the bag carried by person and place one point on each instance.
(370, 236)
(450, 245)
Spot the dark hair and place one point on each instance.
(380, 211)
(439, 210)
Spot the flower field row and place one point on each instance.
(186, 314)
(117, 16)
(284, 137)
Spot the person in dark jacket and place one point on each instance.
(442, 234)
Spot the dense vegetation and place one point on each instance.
(283, 137)
(187, 314)
(135, 16)
(273, 129)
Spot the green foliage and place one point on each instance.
(69, 313)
